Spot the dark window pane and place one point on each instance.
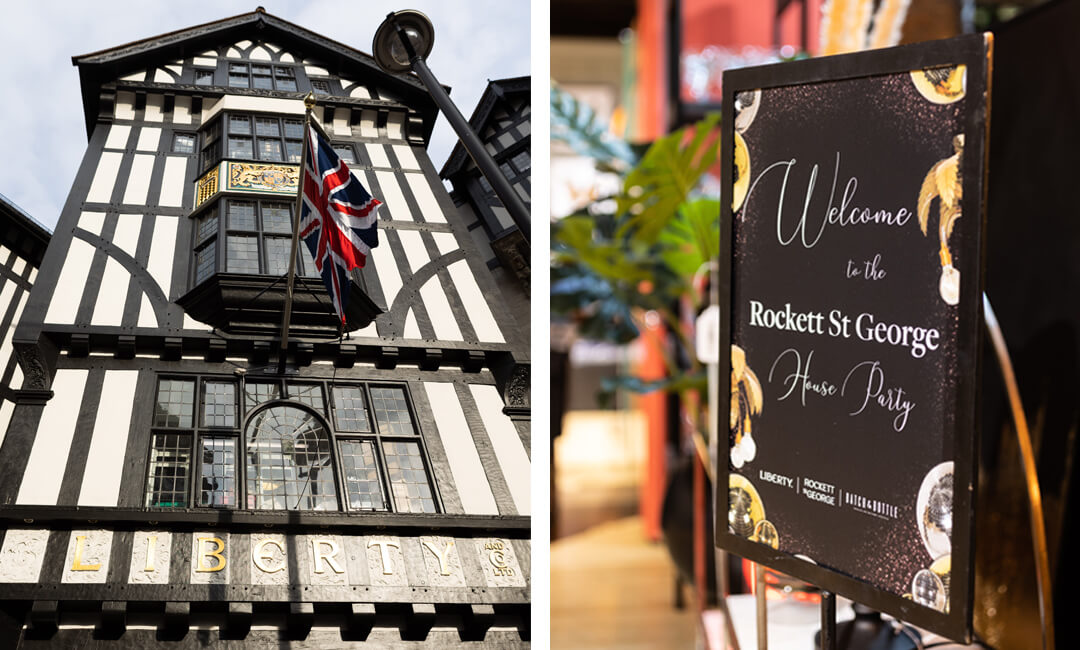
(288, 85)
(259, 81)
(294, 129)
(345, 152)
(217, 475)
(408, 479)
(208, 225)
(257, 392)
(320, 87)
(485, 184)
(183, 143)
(242, 255)
(238, 67)
(289, 465)
(350, 412)
(239, 124)
(241, 215)
(310, 394)
(204, 77)
(260, 69)
(362, 485)
(276, 217)
(308, 267)
(293, 150)
(167, 477)
(270, 150)
(277, 255)
(238, 80)
(391, 411)
(175, 403)
(282, 71)
(204, 261)
(504, 167)
(219, 404)
(521, 162)
(240, 148)
(265, 126)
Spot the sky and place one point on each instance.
(42, 132)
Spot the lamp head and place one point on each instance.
(390, 53)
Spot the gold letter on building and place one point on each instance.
(317, 554)
(260, 557)
(203, 554)
(387, 562)
(444, 556)
(151, 551)
(76, 564)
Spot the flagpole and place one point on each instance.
(309, 104)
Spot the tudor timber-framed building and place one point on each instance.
(159, 480)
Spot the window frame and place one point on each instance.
(199, 432)
(279, 75)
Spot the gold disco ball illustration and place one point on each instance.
(745, 508)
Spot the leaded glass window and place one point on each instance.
(219, 404)
(204, 261)
(363, 486)
(310, 394)
(242, 255)
(170, 459)
(289, 464)
(350, 411)
(175, 403)
(408, 477)
(217, 473)
(391, 411)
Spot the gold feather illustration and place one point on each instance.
(747, 400)
(944, 183)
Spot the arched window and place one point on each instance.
(289, 463)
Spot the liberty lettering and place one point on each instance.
(443, 557)
(260, 556)
(76, 563)
(387, 563)
(203, 554)
(317, 554)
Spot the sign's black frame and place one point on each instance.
(974, 51)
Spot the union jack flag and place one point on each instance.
(337, 220)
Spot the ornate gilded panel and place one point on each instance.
(263, 178)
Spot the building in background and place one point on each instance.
(159, 474)
(503, 120)
(22, 245)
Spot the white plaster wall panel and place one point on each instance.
(370, 330)
(48, 456)
(502, 216)
(386, 561)
(147, 317)
(205, 543)
(192, 324)
(506, 139)
(154, 105)
(287, 58)
(392, 197)
(331, 568)
(105, 460)
(118, 136)
(176, 68)
(465, 466)
(125, 105)
(6, 410)
(234, 53)
(109, 308)
(259, 54)
(513, 460)
(445, 242)
(69, 287)
(149, 138)
(483, 322)
(316, 71)
(438, 308)
(135, 76)
(126, 235)
(269, 560)
(162, 76)
(412, 330)
(360, 92)
(101, 187)
(244, 44)
(415, 253)
(181, 110)
(18, 266)
(272, 47)
(394, 123)
(210, 108)
(33, 275)
(377, 154)
(138, 181)
(205, 60)
(94, 548)
(442, 561)
(160, 264)
(405, 157)
(491, 148)
(16, 382)
(5, 254)
(368, 128)
(6, 347)
(387, 270)
(341, 122)
(5, 300)
(172, 182)
(520, 189)
(256, 104)
(425, 199)
(22, 555)
(209, 53)
(499, 562)
(524, 128)
(151, 556)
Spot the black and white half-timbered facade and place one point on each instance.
(22, 245)
(161, 480)
(503, 120)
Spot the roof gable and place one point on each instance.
(497, 89)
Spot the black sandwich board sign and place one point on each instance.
(851, 282)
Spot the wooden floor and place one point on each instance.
(610, 588)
